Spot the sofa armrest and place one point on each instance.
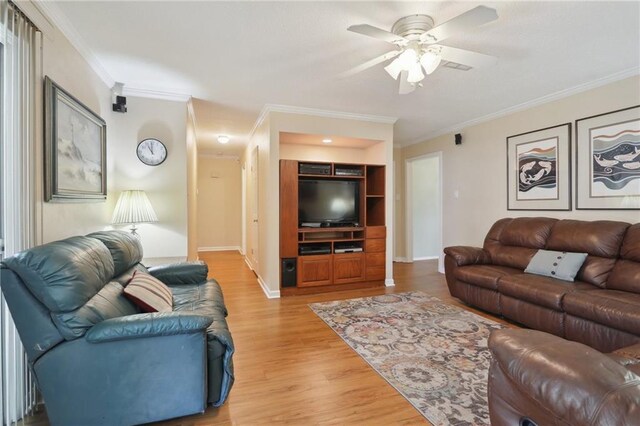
(575, 382)
(181, 273)
(468, 255)
(147, 325)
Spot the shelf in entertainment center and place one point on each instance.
(374, 196)
(330, 229)
(331, 176)
(329, 235)
(330, 240)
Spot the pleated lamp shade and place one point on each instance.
(133, 207)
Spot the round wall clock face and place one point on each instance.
(151, 152)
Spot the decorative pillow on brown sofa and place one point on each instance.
(149, 293)
(556, 264)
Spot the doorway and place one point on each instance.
(424, 208)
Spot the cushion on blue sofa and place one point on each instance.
(125, 249)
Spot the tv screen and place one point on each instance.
(328, 201)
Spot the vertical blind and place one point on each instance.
(20, 45)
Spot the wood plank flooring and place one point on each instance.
(291, 367)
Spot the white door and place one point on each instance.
(255, 226)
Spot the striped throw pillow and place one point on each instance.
(149, 293)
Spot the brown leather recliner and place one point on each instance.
(539, 379)
(601, 308)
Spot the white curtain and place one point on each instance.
(20, 75)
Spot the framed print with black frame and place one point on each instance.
(608, 161)
(539, 169)
(75, 148)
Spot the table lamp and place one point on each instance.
(133, 207)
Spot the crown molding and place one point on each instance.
(52, 12)
(612, 78)
(155, 94)
(269, 108)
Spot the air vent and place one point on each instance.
(456, 66)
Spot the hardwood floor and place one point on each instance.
(291, 367)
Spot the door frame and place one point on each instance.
(408, 208)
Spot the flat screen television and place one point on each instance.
(328, 202)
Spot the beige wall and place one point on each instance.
(166, 184)
(219, 203)
(373, 154)
(477, 169)
(192, 185)
(266, 137)
(63, 64)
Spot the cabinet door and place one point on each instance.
(348, 268)
(315, 270)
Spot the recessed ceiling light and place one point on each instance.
(326, 141)
(223, 139)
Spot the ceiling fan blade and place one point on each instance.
(466, 57)
(405, 86)
(469, 19)
(370, 63)
(375, 32)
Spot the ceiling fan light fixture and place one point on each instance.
(407, 59)
(415, 74)
(394, 69)
(430, 61)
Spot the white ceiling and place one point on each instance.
(235, 57)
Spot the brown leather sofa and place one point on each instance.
(539, 379)
(600, 309)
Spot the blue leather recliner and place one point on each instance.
(96, 359)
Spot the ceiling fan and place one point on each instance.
(417, 42)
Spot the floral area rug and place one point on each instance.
(435, 354)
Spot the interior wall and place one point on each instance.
(166, 184)
(219, 203)
(321, 153)
(192, 185)
(64, 65)
(425, 203)
(476, 170)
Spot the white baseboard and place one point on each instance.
(401, 260)
(389, 282)
(425, 258)
(271, 294)
(220, 248)
(246, 260)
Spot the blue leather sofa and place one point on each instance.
(96, 359)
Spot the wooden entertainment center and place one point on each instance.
(361, 247)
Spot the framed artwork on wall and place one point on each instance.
(539, 169)
(608, 161)
(75, 148)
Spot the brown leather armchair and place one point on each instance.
(539, 379)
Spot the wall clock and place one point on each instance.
(151, 152)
